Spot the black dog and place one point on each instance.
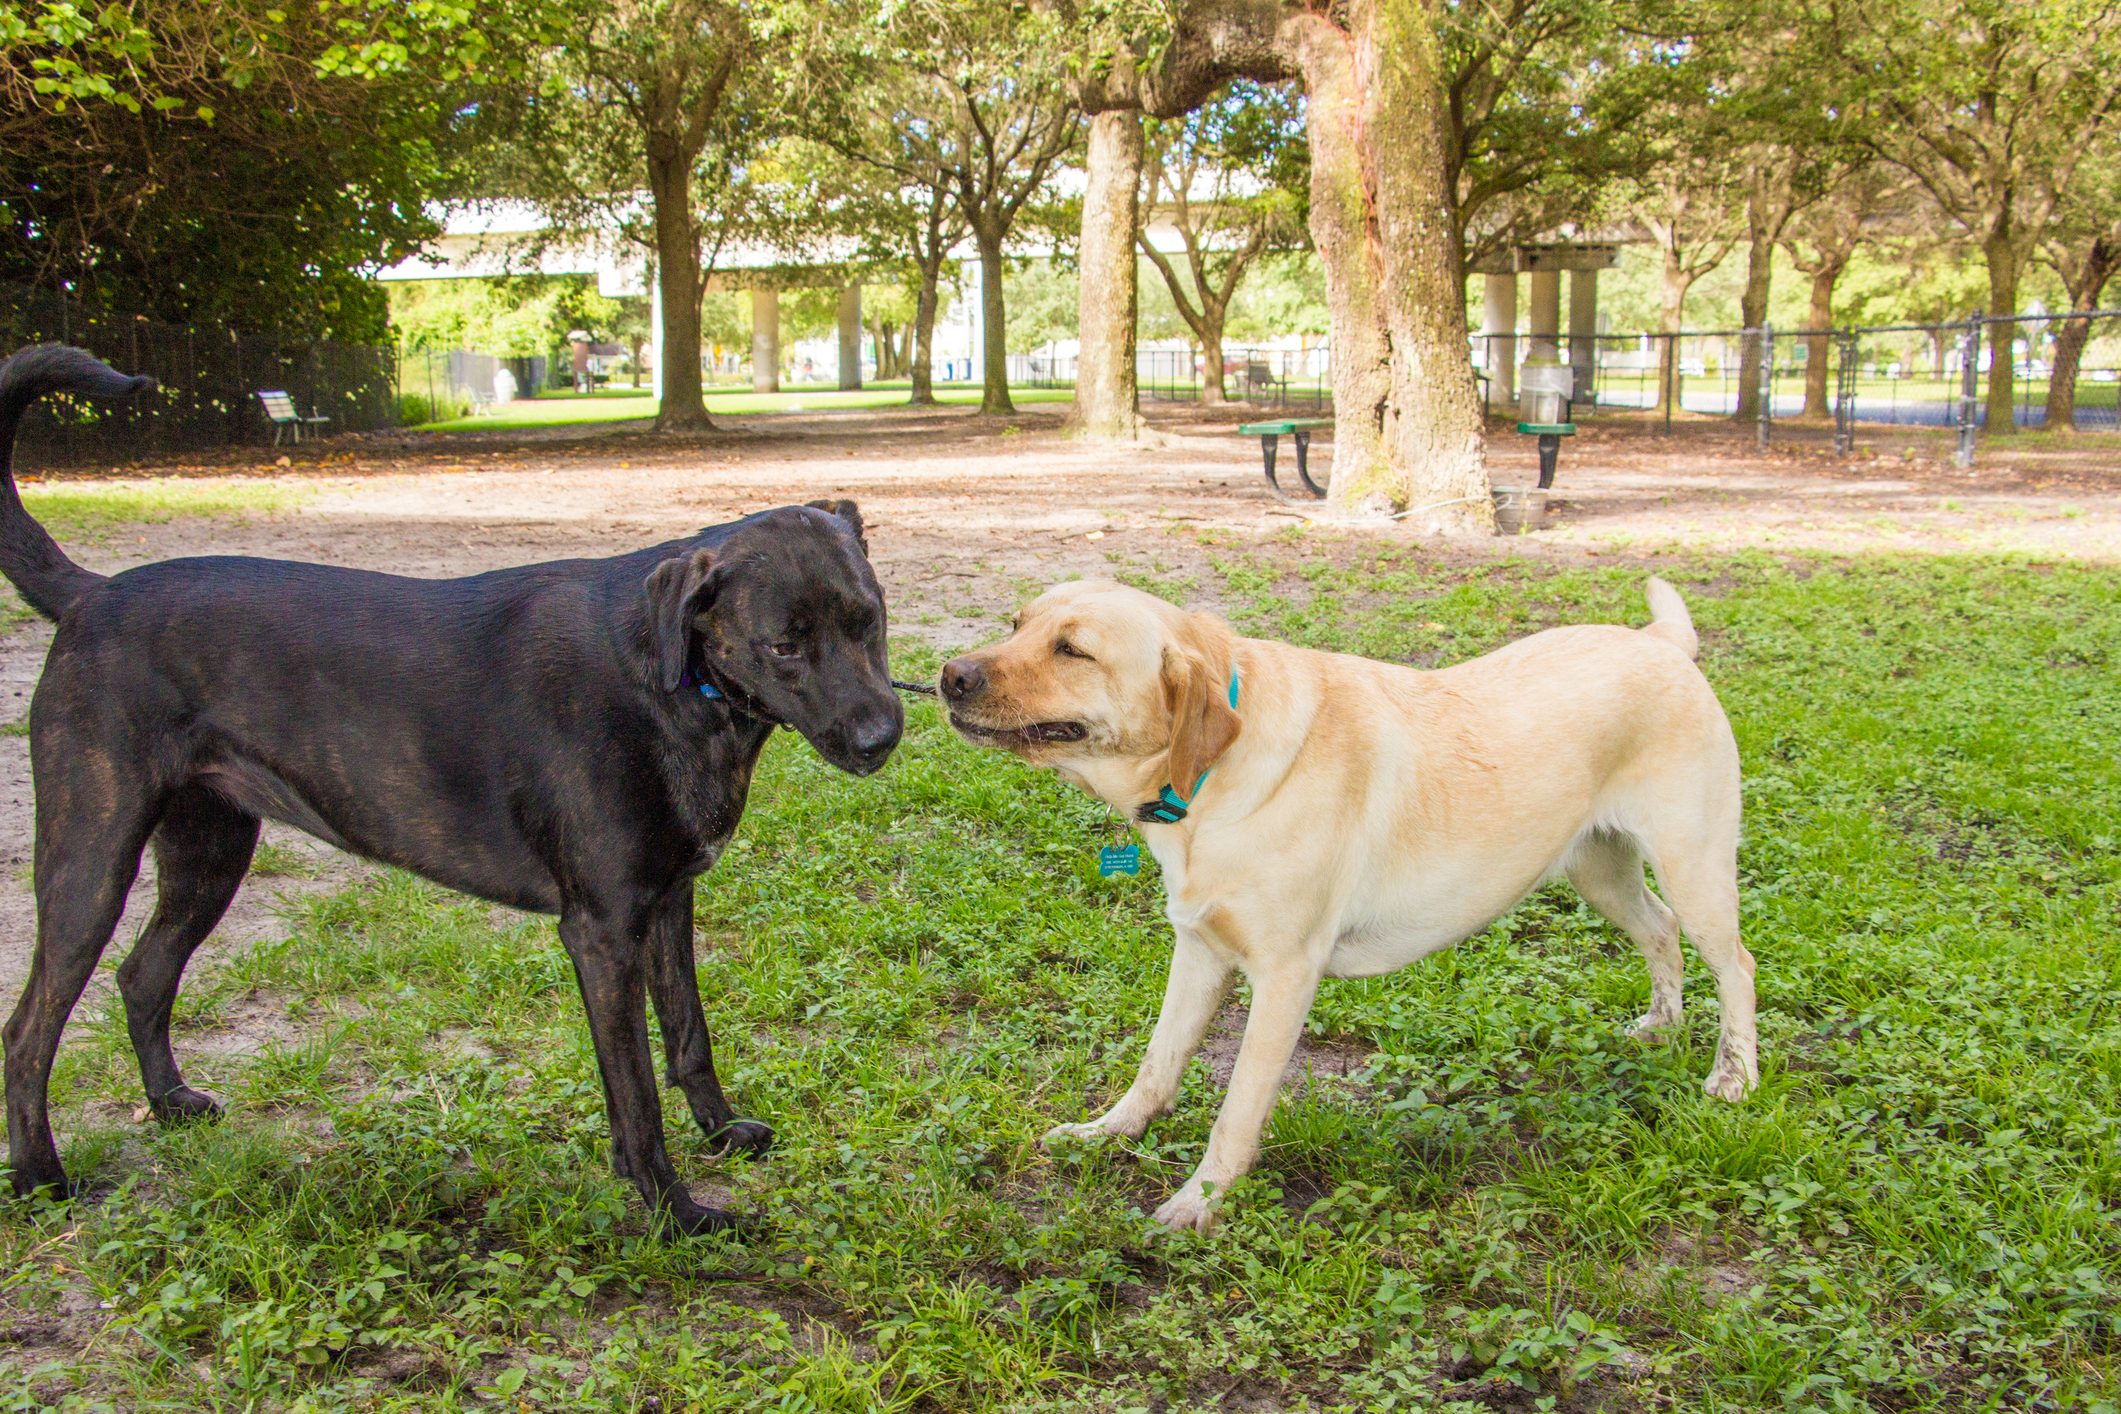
(574, 738)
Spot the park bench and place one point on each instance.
(1270, 435)
(280, 412)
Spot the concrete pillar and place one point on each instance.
(1546, 315)
(765, 339)
(1583, 332)
(851, 337)
(1498, 324)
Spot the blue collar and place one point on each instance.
(707, 689)
(1168, 808)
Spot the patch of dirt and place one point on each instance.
(1317, 1058)
(1710, 1265)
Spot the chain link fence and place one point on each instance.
(209, 377)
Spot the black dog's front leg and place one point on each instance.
(673, 980)
(607, 951)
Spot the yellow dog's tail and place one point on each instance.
(1669, 619)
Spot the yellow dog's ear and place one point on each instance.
(1196, 673)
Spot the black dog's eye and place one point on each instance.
(782, 650)
(1069, 650)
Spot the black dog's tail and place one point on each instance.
(28, 555)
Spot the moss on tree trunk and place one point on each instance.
(1407, 430)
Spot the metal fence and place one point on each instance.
(1281, 378)
(438, 385)
(1977, 376)
(209, 377)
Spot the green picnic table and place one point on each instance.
(1270, 435)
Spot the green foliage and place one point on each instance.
(1286, 294)
(1508, 1205)
(1041, 301)
(224, 163)
(515, 316)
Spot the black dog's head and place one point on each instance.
(785, 618)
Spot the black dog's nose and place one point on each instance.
(963, 678)
(872, 741)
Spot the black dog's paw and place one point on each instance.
(183, 1105)
(698, 1220)
(742, 1136)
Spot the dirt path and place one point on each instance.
(968, 516)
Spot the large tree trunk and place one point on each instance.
(677, 253)
(994, 325)
(2003, 265)
(2062, 379)
(1752, 313)
(1211, 358)
(1407, 427)
(1106, 403)
(1818, 344)
(2084, 292)
(1673, 310)
(924, 305)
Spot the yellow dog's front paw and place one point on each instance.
(1732, 1080)
(1188, 1210)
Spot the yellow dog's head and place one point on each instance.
(1095, 670)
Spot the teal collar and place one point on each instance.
(1168, 808)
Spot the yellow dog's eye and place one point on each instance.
(1069, 650)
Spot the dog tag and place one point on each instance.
(1119, 859)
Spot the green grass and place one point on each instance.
(76, 512)
(566, 410)
(92, 511)
(913, 976)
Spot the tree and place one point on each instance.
(1687, 207)
(1226, 177)
(1541, 102)
(1108, 295)
(1996, 107)
(661, 94)
(191, 163)
(1821, 241)
(1408, 431)
(2084, 246)
(960, 101)
(882, 198)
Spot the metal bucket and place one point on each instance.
(1519, 509)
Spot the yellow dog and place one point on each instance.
(1320, 815)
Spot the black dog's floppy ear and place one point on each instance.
(674, 588)
(848, 512)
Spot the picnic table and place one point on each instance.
(280, 412)
(1270, 435)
